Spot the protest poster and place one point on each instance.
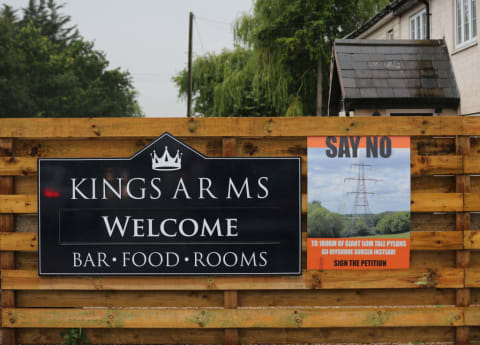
(358, 202)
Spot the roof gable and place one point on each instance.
(395, 72)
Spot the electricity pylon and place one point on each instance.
(360, 208)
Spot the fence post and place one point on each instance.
(462, 144)
(7, 259)
(229, 149)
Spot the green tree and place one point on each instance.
(285, 71)
(397, 222)
(360, 228)
(48, 69)
(223, 86)
(323, 223)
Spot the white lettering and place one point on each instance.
(156, 188)
(244, 260)
(162, 227)
(101, 258)
(195, 227)
(117, 192)
(142, 196)
(264, 188)
(216, 256)
(126, 257)
(198, 259)
(231, 264)
(137, 227)
(210, 230)
(263, 258)
(231, 186)
(116, 224)
(205, 189)
(143, 257)
(150, 229)
(181, 188)
(150, 259)
(75, 189)
(94, 184)
(231, 225)
(77, 262)
(169, 259)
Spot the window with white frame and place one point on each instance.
(465, 22)
(418, 26)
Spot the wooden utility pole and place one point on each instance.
(190, 36)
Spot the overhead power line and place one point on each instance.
(199, 36)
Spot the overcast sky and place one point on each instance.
(326, 180)
(150, 39)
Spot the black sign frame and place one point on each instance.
(297, 271)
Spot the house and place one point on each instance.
(431, 62)
(392, 78)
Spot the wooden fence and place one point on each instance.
(435, 300)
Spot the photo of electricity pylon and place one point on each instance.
(361, 222)
(358, 194)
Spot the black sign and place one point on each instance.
(169, 210)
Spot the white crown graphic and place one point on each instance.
(166, 162)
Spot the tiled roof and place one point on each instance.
(395, 70)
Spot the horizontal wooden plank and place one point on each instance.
(419, 184)
(237, 318)
(474, 183)
(421, 165)
(18, 241)
(472, 202)
(428, 165)
(472, 316)
(428, 146)
(474, 335)
(432, 221)
(425, 240)
(246, 298)
(13, 166)
(232, 126)
(125, 147)
(108, 147)
(472, 277)
(125, 336)
(381, 279)
(421, 202)
(28, 185)
(27, 203)
(471, 164)
(29, 261)
(436, 240)
(437, 202)
(475, 259)
(18, 203)
(383, 335)
(471, 240)
(346, 298)
(424, 259)
(388, 335)
(471, 125)
(179, 299)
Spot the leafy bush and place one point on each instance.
(75, 336)
(394, 223)
(323, 223)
